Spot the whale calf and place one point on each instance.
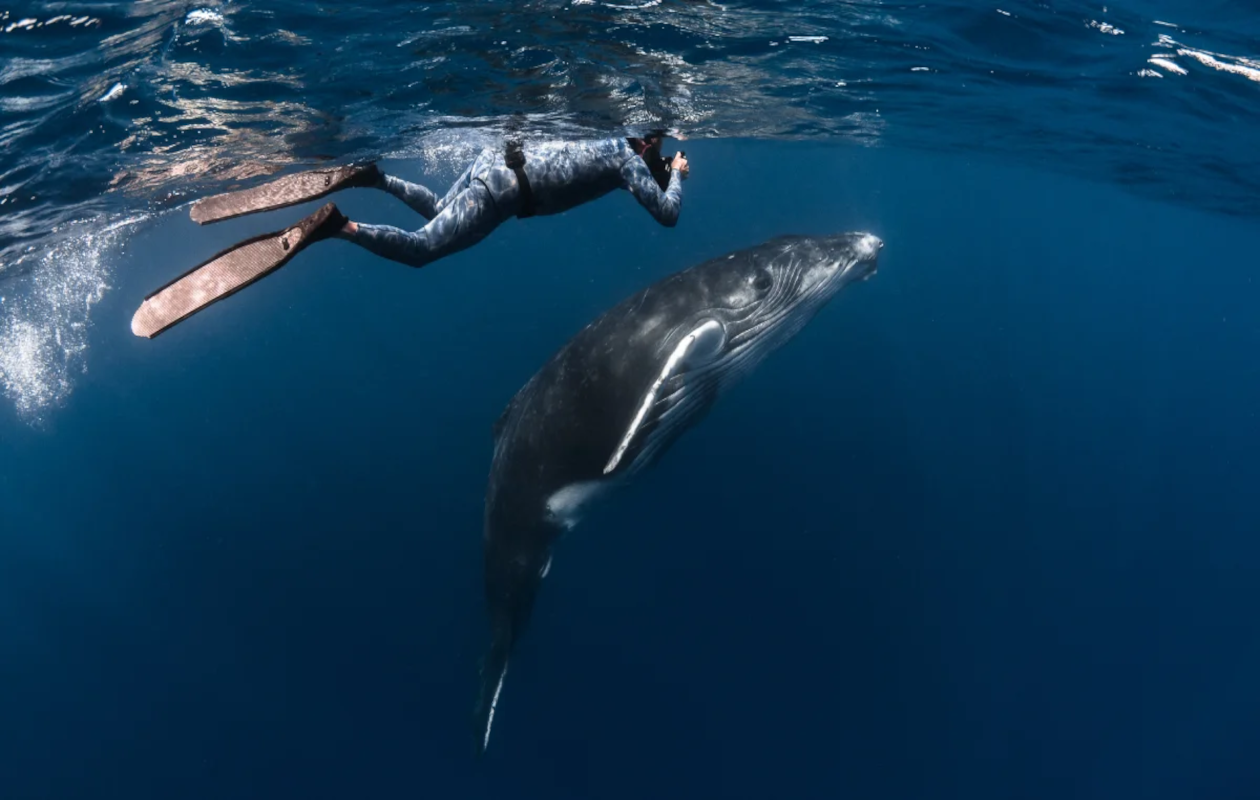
(613, 399)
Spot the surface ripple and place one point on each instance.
(110, 110)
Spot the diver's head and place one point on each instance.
(649, 144)
(649, 149)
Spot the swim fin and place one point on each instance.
(289, 190)
(230, 271)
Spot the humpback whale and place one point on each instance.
(611, 401)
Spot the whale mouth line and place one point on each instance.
(868, 265)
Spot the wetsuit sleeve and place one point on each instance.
(664, 206)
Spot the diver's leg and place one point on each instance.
(421, 199)
(466, 220)
(301, 187)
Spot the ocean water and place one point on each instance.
(986, 529)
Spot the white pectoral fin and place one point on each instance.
(700, 346)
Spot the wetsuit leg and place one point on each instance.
(421, 199)
(464, 221)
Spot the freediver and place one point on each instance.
(515, 181)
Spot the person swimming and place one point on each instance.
(545, 178)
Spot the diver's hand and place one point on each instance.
(680, 164)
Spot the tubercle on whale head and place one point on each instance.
(864, 250)
(868, 245)
(819, 266)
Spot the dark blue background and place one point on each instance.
(986, 529)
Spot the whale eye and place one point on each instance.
(762, 282)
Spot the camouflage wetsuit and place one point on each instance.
(561, 175)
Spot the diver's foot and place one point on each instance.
(368, 176)
(325, 223)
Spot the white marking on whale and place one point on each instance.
(565, 506)
(494, 702)
(701, 345)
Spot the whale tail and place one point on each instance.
(493, 672)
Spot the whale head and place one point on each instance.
(793, 274)
(765, 295)
(714, 323)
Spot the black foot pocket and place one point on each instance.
(323, 224)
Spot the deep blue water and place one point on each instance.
(986, 529)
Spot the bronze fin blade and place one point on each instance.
(289, 190)
(229, 271)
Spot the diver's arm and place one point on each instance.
(663, 206)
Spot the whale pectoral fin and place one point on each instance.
(669, 395)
